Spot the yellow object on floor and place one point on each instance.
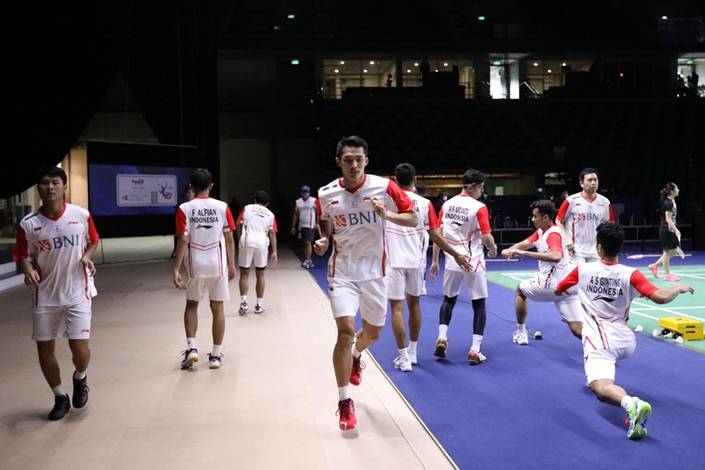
(688, 328)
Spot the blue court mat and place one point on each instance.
(528, 407)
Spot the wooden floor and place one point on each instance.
(271, 406)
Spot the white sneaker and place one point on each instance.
(520, 337)
(475, 358)
(214, 362)
(259, 308)
(412, 358)
(403, 364)
(190, 358)
(243, 307)
(309, 264)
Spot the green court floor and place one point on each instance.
(643, 311)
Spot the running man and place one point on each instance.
(554, 265)
(205, 229)
(407, 266)
(606, 290)
(256, 232)
(54, 248)
(465, 225)
(305, 222)
(354, 210)
(579, 216)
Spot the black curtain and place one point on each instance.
(61, 60)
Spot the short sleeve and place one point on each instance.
(92, 232)
(555, 242)
(641, 284)
(483, 220)
(399, 197)
(533, 238)
(569, 281)
(563, 211)
(230, 223)
(433, 221)
(180, 222)
(21, 250)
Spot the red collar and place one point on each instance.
(588, 200)
(609, 263)
(57, 217)
(341, 182)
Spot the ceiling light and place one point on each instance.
(372, 62)
(408, 70)
(445, 64)
(416, 64)
(336, 71)
(364, 71)
(536, 64)
(342, 62)
(549, 70)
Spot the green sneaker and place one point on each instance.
(637, 415)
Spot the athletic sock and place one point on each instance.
(521, 327)
(216, 350)
(443, 332)
(343, 393)
(412, 347)
(243, 298)
(355, 352)
(403, 353)
(191, 343)
(260, 302)
(476, 343)
(626, 403)
(59, 390)
(79, 375)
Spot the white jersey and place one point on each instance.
(204, 220)
(256, 222)
(606, 290)
(464, 220)
(56, 246)
(307, 212)
(580, 217)
(359, 243)
(550, 240)
(406, 245)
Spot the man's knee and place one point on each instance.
(346, 338)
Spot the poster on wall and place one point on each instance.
(145, 190)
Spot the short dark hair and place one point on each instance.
(52, 172)
(405, 174)
(545, 207)
(473, 176)
(201, 179)
(420, 188)
(350, 141)
(587, 171)
(667, 190)
(262, 197)
(611, 238)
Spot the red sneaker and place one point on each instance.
(356, 372)
(346, 412)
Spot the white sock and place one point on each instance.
(412, 347)
(216, 350)
(442, 331)
(59, 390)
(476, 343)
(243, 298)
(404, 353)
(79, 375)
(260, 302)
(343, 393)
(626, 402)
(191, 343)
(521, 327)
(356, 353)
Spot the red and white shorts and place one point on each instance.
(603, 343)
(47, 321)
(216, 287)
(568, 305)
(248, 255)
(475, 283)
(370, 297)
(402, 281)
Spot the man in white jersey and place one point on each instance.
(353, 210)
(256, 232)
(54, 248)
(465, 224)
(205, 229)
(305, 222)
(579, 216)
(606, 290)
(553, 266)
(407, 266)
